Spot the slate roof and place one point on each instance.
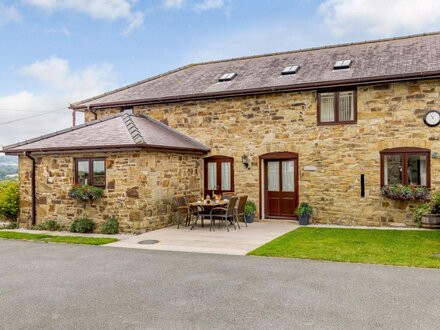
(404, 58)
(124, 131)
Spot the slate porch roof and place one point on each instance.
(385, 60)
(124, 131)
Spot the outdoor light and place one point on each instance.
(245, 161)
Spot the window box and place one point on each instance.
(406, 193)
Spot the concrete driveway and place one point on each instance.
(57, 286)
(201, 240)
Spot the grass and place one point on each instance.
(57, 239)
(374, 246)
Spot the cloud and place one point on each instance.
(208, 5)
(379, 17)
(100, 9)
(173, 3)
(198, 6)
(62, 85)
(8, 14)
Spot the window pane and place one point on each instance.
(83, 172)
(226, 176)
(346, 106)
(212, 176)
(99, 172)
(392, 169)
(327, 107)
(273, 176)
(416, 169)
(287, 175)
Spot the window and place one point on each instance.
(344, 64)
(90, 171)
(228, 76)
(405, 166)
(290, 70)
(337, 107)
(219, 174)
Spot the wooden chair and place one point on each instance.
(239, 211)
(224, 213)
(227, 195)
(181, 210)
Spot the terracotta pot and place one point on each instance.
(431, 221)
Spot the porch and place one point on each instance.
(201, 240)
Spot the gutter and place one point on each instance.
(267, 90)
(33, 188)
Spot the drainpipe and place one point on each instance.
(33, 193)
(92, 111)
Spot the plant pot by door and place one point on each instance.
(304, 220)
(431, 221)
(249, 217)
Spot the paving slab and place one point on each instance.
(201, 240)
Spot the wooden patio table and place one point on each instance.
(207, 207)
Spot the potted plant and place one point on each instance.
(406, 192)
(429, 215)
(249, 211)
(304, 211)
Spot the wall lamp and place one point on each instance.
(245, 161)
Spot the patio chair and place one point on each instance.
(224, 213)
(239, 211)
(227, 195)
(181, 210)
(196, 211)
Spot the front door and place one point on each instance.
(281, 197)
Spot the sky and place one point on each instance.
(55, 52)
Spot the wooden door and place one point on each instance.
(219, 175)
(281, 188)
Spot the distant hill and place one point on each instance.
(8, 160)
(8, 166)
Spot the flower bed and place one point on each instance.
(406, 193)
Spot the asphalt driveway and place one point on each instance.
(56, 286)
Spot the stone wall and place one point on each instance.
(140, 187)
(388, 116)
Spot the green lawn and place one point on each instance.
(57, 239)
(374, 246)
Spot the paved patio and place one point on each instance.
(201, 240)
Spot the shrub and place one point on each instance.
(82, 225)
(406, 193)
(436, 203)
(304, 209)
(111, 226)
(12, 225)
(85, 193)
(9, 197)
(51, 225)
(420, 211)
(250, 208)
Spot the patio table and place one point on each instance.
(207, 207)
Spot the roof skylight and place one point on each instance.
(290, 69)
(344, 64)
(228, 76)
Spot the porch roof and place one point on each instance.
(124, 131)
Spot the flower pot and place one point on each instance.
(249, 217)
(430, 221)
(304, 219)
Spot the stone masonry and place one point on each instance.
(140, 188)
(388, 116)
